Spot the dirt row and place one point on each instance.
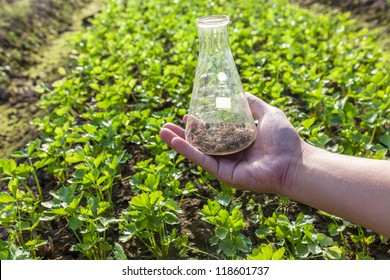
(27, 32)
(375, 12)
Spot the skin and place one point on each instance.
(280, 162)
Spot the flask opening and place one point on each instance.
(212, 21)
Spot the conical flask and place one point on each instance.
(219, 120)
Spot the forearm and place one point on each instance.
(353, 188)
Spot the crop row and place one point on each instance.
(26, 26)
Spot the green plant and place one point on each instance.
(9, 251)
(148, 217)
(299, 237)
(228, 229)
(19, 208)
(89, 223)
(266, 252)
(364, 241)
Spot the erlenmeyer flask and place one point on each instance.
(219, 121)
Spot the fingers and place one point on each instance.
(207, 162)
(257, 106)
(167, 136)
(175, 129)
(173, 135)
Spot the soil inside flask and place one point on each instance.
(220, 138)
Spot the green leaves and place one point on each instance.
(224, 200)
(119, 252)
(148, 217)
(6, 198)
(266, 252)
(76, 155)
(7, 166)
(147, 200)
(170, 218)
(211, 209)
(75, 223)
(308, 122)
(299, 235)
(228, 227)
(385, 139)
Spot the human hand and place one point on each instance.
(267, 166)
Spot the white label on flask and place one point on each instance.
(223, 103)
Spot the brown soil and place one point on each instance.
(220, 138)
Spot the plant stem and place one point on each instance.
(36, 180)
(28, 190)
(19, 235)
(202, 252)
(374, 130)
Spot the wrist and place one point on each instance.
(297, 169)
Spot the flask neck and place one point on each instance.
(213, 34)
(213, 40)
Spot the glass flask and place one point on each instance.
(219, 120)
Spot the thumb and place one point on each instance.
(257, 106)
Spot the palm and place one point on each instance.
(266, 161)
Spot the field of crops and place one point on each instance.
(99, 183)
